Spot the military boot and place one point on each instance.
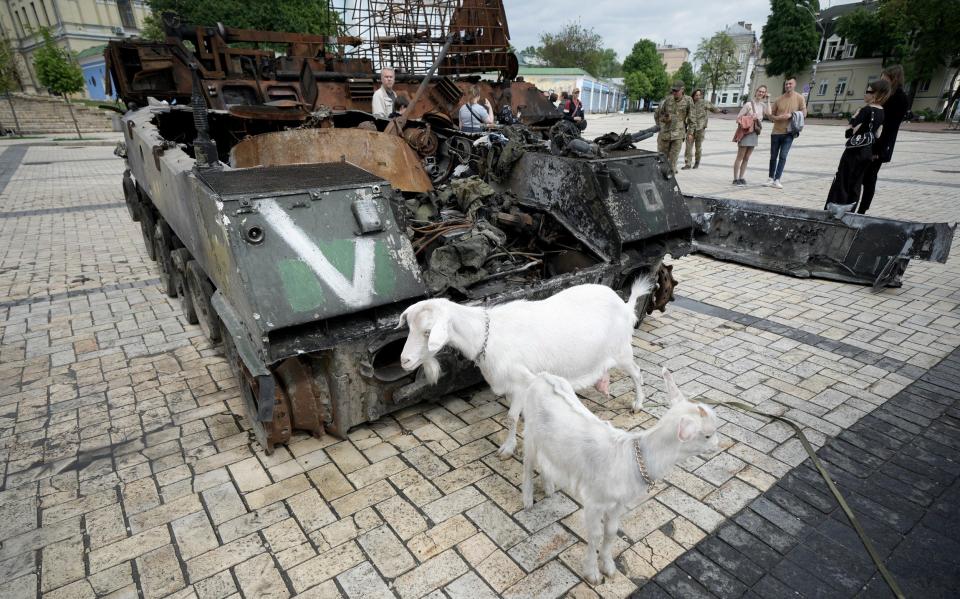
(685, 167)
(696, 164)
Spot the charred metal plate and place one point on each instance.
(854, 248)
(292, 177)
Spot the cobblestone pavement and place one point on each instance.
(127, 469)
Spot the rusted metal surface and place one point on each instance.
(663, 293)
(853, 248)
(386, 156)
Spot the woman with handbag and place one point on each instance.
(865, 127)
(749, 123)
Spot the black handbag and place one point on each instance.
(863, 139)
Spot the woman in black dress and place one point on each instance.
(894, 111)
(867, 121)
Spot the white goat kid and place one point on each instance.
(609, 470)
(578, 333)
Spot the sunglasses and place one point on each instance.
(870, 91)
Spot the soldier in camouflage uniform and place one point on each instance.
(698, 116)
(673, 117)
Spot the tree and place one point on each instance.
(57, 71)
(790, 38)
(297, 16)
(718, 61)
(573, 46)
(638, 86)
(608, 65)
(924, 35)
(9, 77)
(644, 59)
(686, 74)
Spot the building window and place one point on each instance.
(36, 16)
(723, 98)
(822, 90)
(850, 51)
(924, 86)
(25, 18)
(739, 77)
(23, 30)
(735, 98)
(832, 49)
(743, 54)
(46, 16)
(125, 7)
(841, 86)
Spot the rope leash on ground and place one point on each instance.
(887, 577)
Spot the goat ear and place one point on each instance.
(403, 318)
(687, 429)
(440, 332)
(673, 392)
(703, 413)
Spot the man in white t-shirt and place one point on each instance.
(383, 98)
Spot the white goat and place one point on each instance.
(578, 333)
(606, 468)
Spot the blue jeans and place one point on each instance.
(779, 148)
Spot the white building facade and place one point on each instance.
(748, 48)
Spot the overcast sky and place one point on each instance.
(622, 23)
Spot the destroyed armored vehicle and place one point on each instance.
(295, 227)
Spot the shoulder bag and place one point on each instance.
(864, 138)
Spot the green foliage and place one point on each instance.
(686, 74)
(9, 76)
(928, 115)
(608, 65)
(578, 46)
(56, 69)
(718, 60)
(297, 16)
(790, 37)
(875, 32)
(638, 85)
(645, 60)
(933, 28)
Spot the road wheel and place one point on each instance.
(162, 243)
(147, 225)
(180, 258)
(201, 290)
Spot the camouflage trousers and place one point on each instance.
(698, 140)
(671, 149)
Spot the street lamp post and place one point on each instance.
(816, 60)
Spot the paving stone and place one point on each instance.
(159, 572)
(363, 581)
(546, 511)
(405, 520)
(550, 581)
(223, 502)
(387, 552)
(440, 538)
(453, 504)
(541, 546)
(24, 587)
(469, 586)
(325, 566)
(162, 514)
(476, 549)
(277, 491)
(194, 535)
(500, 528)
(375, 472)
(330, 481)
(362, 498)
(731, 497)
(127, 549)
(80, 589)
(432, 574)
(252, 522)
(259, 577)
(217, 586)
(698, 513)
(499, 571)
(112, 579)
(223, 557)
(62, 563)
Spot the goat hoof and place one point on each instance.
(637, 405)
(608, 568)
(593, 578)
(506, 451)
(527, 501)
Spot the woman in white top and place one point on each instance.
(757, 108)
(473, 117)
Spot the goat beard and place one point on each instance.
(431, 369)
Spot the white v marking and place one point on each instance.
(356, 293)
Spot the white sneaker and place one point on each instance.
(769, 183)
(777, 184)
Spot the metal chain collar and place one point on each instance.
(643, 465)
(486, 337)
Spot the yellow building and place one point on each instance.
(672, 57)
(80, 26)
(840, 77)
